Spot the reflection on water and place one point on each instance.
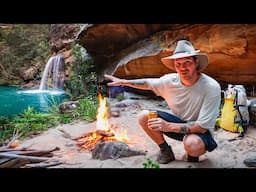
(14, 101)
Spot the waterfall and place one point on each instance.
(54, 69)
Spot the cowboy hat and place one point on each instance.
(184, 48)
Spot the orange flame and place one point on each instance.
(104, 131)
(102, 121)
(102, 115)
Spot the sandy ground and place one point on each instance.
(229, 154)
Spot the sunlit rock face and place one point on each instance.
(135, 50)
(105, 41)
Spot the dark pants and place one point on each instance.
(206, 137)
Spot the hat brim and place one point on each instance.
(169, 61)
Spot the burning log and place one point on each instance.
(91, 139)
(104, 131)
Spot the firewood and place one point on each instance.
(36, 152)
(14, 163)
(20, 157)
(12, 157)
(32, 153)
(11, 149)
(104, 133)
(83, 136)
(42, 165)
(4, 160)
(31, 158)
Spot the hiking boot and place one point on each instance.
(192, 159)
(165, 156)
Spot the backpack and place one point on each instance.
(234, 114)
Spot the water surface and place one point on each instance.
(14, 101)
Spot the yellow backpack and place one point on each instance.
(234, 113)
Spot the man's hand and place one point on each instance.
(158, 124)
(115, 81)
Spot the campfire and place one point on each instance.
(103, 131)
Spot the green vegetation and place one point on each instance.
(86, 111)
(30, 121)
(150, 164)
(83, 79)
(26, 123)
(22, 46)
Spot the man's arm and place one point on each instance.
(159, 124)
(135, 83)
(190, 128)
(185, 128)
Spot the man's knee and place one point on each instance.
(194, 145)
(143, 117)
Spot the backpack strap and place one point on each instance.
(242, 122)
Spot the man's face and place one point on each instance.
(186, 67)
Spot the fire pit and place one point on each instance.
(103, 131)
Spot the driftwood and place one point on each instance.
(31, 158)
(46, 153)
(15, 158)
(5, 149)
(11, 157)
(14, 163)
(42, 165)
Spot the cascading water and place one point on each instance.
(55, 69)
(13, 100)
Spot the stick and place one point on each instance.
(36, 153)
(11, 149)
(14, 137)
(42, 165)
(14, 163)
(31, 158)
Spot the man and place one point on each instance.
(193, 99)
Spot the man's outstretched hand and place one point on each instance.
(115, 81)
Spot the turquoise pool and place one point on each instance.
(13, 100)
